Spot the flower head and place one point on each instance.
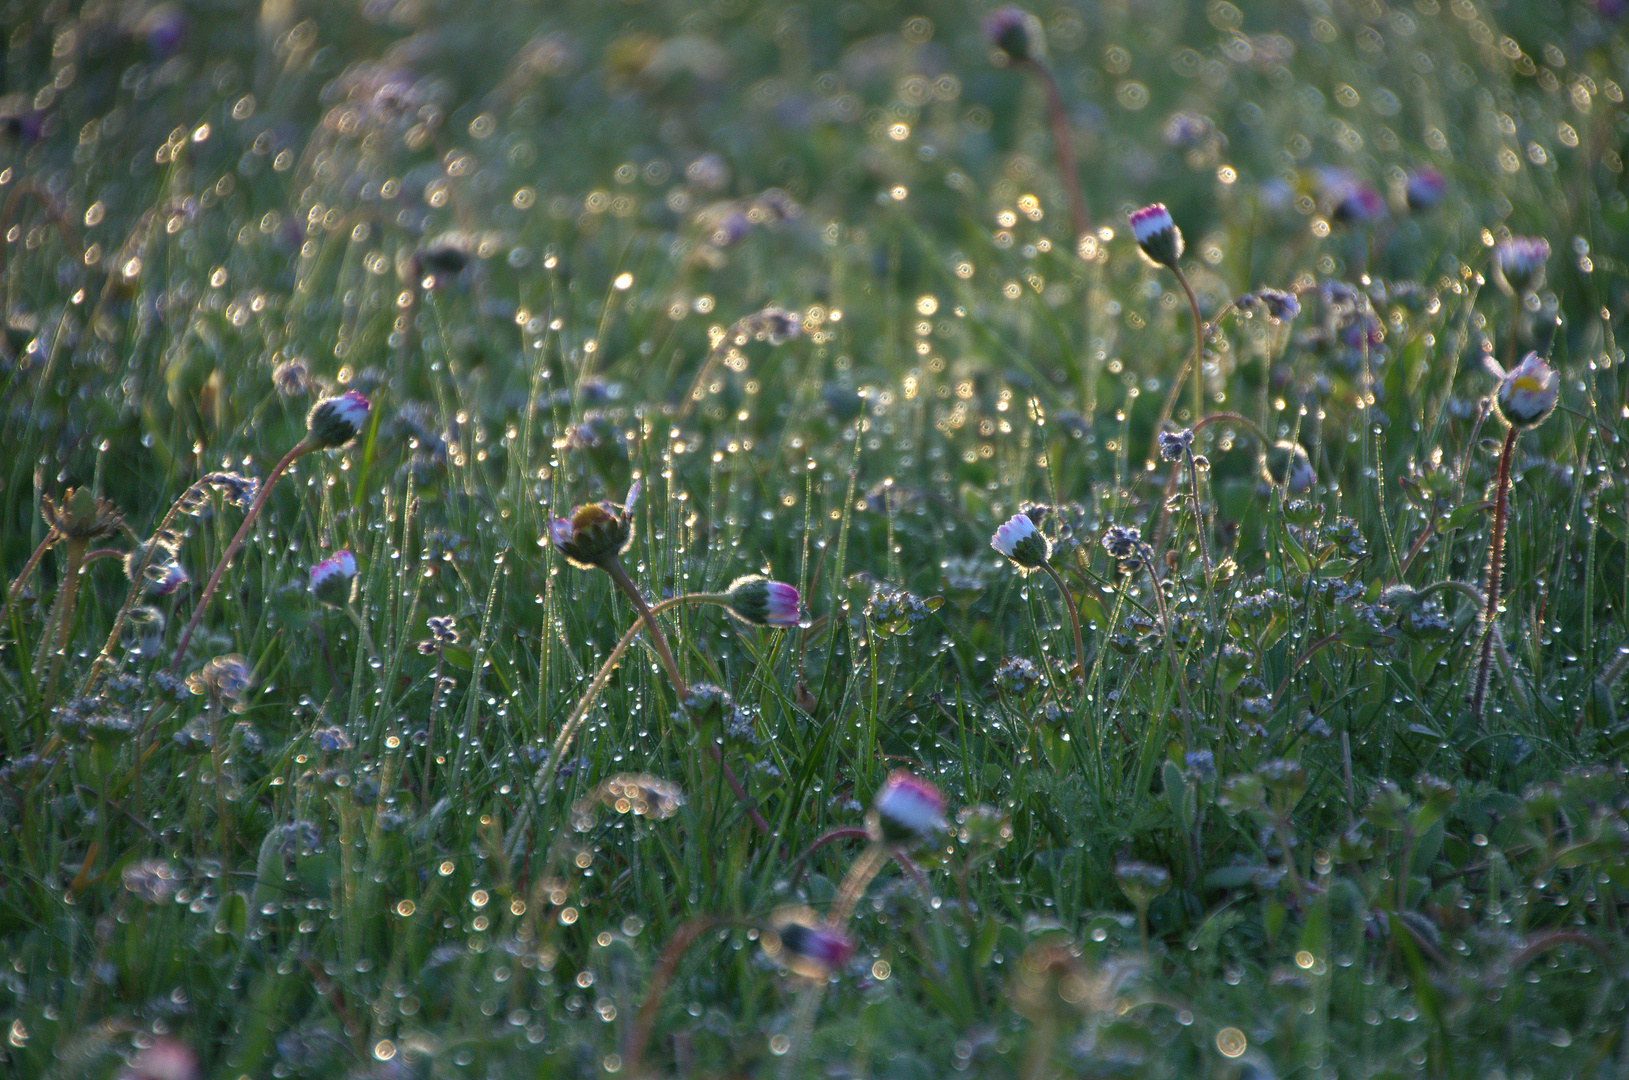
(335, 421)
(761, 602)
(1280, 306)
(806, 944)
(906, 810)
(1176, 445)
(1527, 392)
(443, 632)
(1424, 189)
(1122, 541)
(224, 680)
(595, 533)
(1157, 235)
(331, 578)
(166, 1059)
(1019, 540)
(1518, 264)
(1015, 32)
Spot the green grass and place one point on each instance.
(1269, 837)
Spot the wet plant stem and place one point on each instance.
(1496, 557)
(1063, 145)
(1074, 619)
(658, 640)
(568, 731)
(430, 730)
(60, 624)
(51, 537)
(1194, 363)
(289, 458)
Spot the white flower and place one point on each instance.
(1527, 392)
(1019, 540)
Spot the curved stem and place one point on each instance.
(1058, 117)
(1234, 418)
(1496, 556)
(658, 640)
(1074, 618)
(633, 1044)
(854, 882)
(1194, 363)
(51, 537)
(562, 742)
(232, 548)
(63, 614)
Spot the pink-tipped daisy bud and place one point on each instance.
(1020, 541)
(805, 944)
(1288, 464)
(1157, 235)
(166, 1059)
(1016, 33)
(335, 421)
(762, 602)
(908, 809)
(596, 533)
(165, 578)
(331, 579)
(1528, 392)
(1424, 189)
(1518, 264)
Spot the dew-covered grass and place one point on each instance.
(812, 281)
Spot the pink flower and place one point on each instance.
(907, 809)
(1518, 264)
(806, 944)
(762, 602)
(1157, 235)
(335, 421)
(331, 578)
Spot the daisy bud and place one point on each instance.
(331, 578)
(1424, 189)
(762, 602)
(1019, 540)
(596, 533)
(1157, 235)
(335, 421)
(164, 578)
(1015, 32)
(805, 944)
(1518, 264)
(1528, 392)
(1176, 445)
(1280, 306)
(906, 810)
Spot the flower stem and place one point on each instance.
(1496, 556)
(62, 614)
(232, 548)
(1058, 117)
(568, 731)
(1194, 363)
(1074, 618)
(613, 566)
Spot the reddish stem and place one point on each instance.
(232, 549)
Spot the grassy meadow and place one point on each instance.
(1206, 657)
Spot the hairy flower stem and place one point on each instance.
(137, 578)
(430, 730)
(51, 537)
(568, 732)
(1074, 619)
(303, 447)
(1194, 363)
(638, 1033)
(60, 625)
(1058, 118)
(658, 640)
(1496, 558)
